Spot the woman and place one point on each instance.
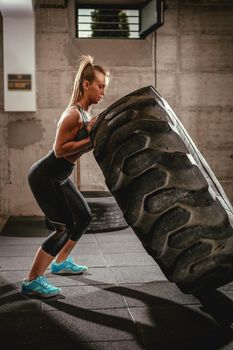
(54, 192)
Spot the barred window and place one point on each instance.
(133, 20)
(107, 23)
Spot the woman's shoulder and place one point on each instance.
(70, 114)
(72, 110)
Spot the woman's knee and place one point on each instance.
(56, 240)
(80, 226)
(88, 218)
(85, 218)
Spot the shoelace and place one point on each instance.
(43, 281)
(70, 259)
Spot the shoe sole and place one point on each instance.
(68, 272)
(37, 294)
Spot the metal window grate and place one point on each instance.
(108, 23)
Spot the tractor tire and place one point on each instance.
(166, 190)
(106, 214)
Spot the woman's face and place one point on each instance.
(96, 90)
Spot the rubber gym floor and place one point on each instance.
(124, 301)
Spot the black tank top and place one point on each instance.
(83, 133)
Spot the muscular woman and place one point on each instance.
(55, 193)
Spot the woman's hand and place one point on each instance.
(91, 123)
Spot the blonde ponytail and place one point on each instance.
(86, 71)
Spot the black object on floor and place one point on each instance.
(106, 214)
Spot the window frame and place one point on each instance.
(98, 6)
(160, 4)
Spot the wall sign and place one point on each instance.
(19, 82)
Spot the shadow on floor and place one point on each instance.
(167, 325)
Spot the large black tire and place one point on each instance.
(166, 190)
(106, 214)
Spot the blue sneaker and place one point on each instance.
(39, 287)
(67, 267)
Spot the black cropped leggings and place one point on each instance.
(60, 201)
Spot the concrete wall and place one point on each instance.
(26, 137)
(194, 65)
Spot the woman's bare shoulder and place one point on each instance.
(73, 111)
(71, 115)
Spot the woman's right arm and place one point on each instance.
(66, 132)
